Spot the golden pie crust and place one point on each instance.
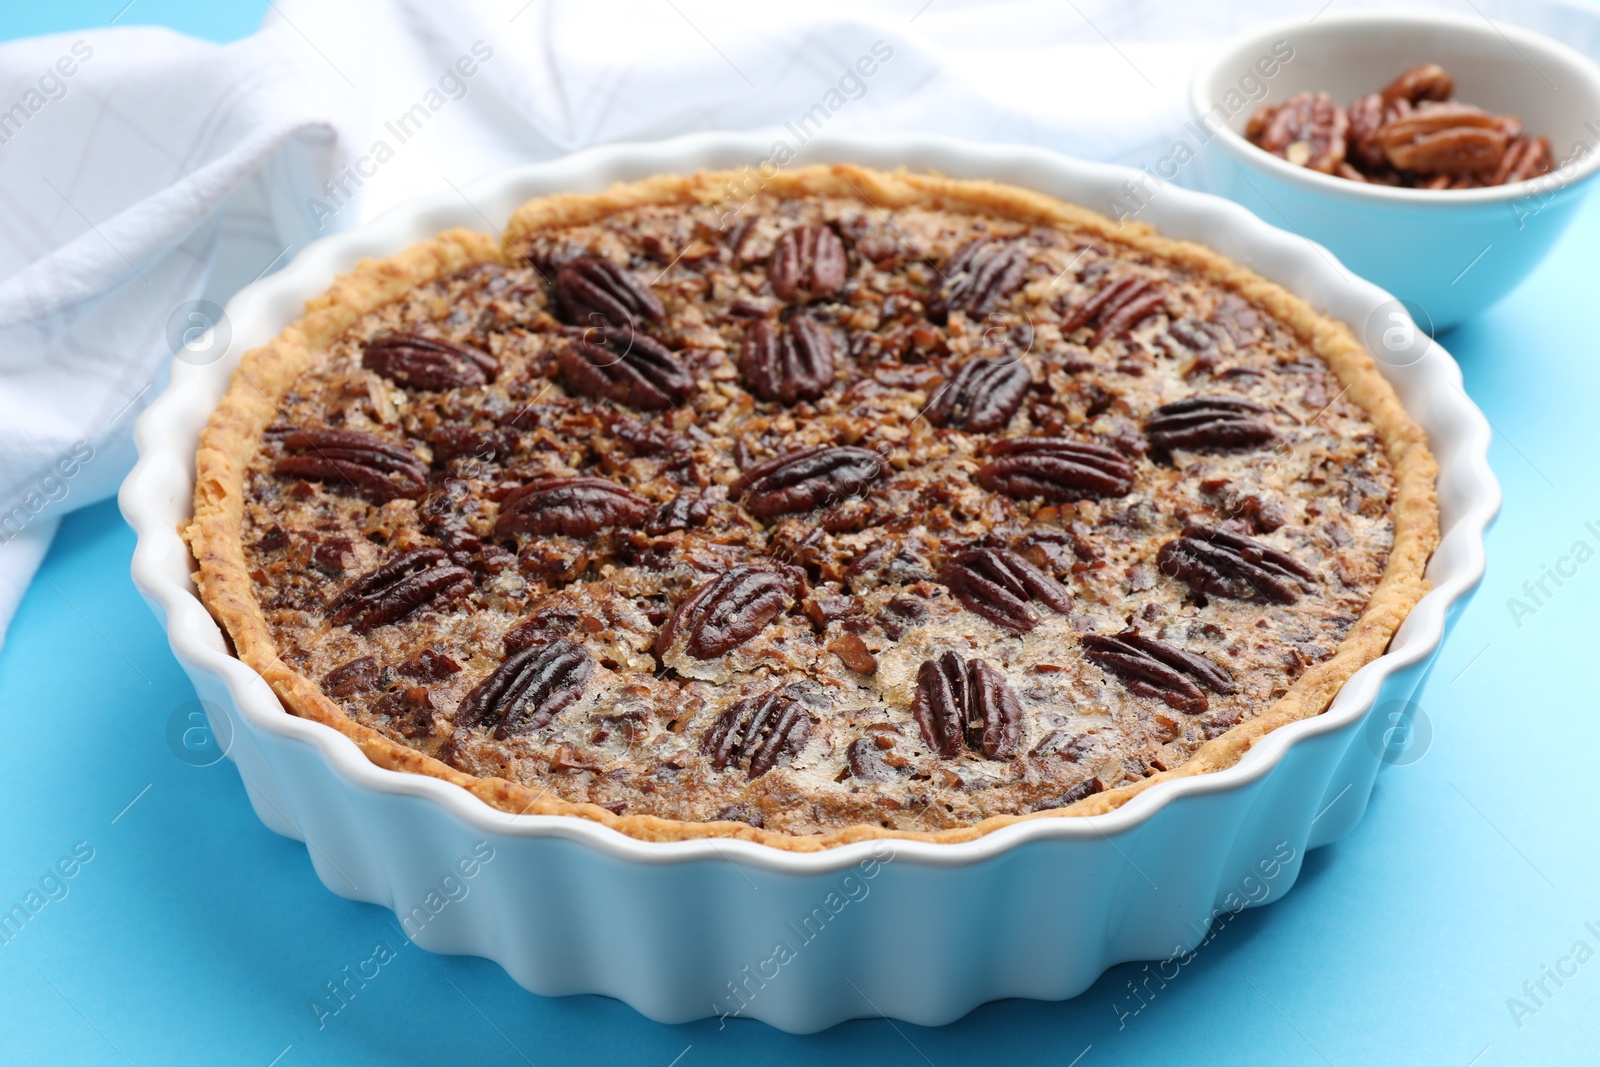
(234, 435)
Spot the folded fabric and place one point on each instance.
(148, 176)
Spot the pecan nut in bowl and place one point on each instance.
(1409, 133)
(1308, 130)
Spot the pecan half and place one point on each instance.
(574, 507)
(528, 689)
(757, 732)
(1116, 308)
(420, 578)
(809, 478)
(593, 291)
(1154, 668)
(485, 446)
(999, 585)
(350, 460)
(788, 363)
(940, 703)
(808, 263)
(976, 277)
(1452, 139)
(727, 611)
(1308, 130)
(1054, 469)
(1427, 82)
(428, 362)
(1367, 116)
(1525, 158)
(643, 440)
(1208, 423)
(960, 701)
(625, 366)
(983, 395)
(1223, 564)
(994, 717)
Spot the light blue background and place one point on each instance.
(196, 936)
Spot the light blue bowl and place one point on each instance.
(1446, 254)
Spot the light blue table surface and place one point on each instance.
(194, 935)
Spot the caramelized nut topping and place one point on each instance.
(405, 584)
(869, 762)
(808, 263)
(728, 611)
(575, 507)
(1116, 308)
(789, 363)
(1054, 469)
(966, 701)
(1223, 564)
(528, 689)
(626, 366)
(1208, 423)
(977, 277)
(1155, 669)
(983, 395)
(360, 675)
(757, 733)
(808, 479)
(593, 291)
(429, 363)
(352, 461)
(1001, 586)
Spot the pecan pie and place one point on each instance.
(809, 506)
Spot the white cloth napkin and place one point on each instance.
(147, 176)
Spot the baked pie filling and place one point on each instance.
(822, 513)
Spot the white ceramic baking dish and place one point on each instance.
(910, 930)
